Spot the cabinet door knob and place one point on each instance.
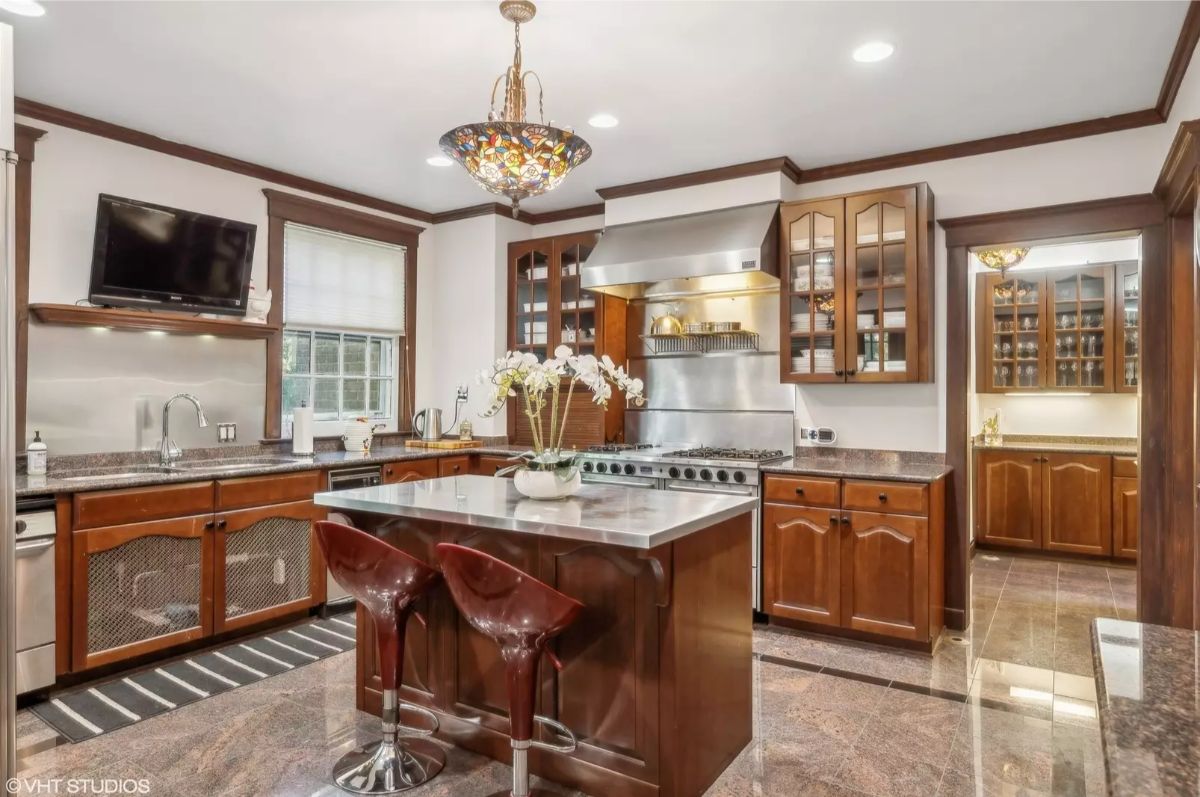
(833, 519)
(852, 372)
(209, 524)
(839, 372)
(222, 523)
(882, 497)
(845, 520)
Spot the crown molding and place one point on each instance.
(1177, 67)
(783, 165)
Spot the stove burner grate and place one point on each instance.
(752, 454)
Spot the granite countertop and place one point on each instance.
(1063, 444)
(610, 514)
(859, 463)
(102, 474)
(1148, 697)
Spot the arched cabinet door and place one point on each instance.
(885, 574)
(1009, 498)
(801, 560)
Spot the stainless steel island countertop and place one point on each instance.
(602, 513)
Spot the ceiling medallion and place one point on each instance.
(508, 154)
(1002, 258)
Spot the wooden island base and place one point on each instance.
(656, 678)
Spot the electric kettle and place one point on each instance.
(428, 424)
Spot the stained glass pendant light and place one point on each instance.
(1002, 258)
(508, 154)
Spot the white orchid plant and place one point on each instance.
(540, 385)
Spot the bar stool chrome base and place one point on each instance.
(389, 767)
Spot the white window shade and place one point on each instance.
(335, 281)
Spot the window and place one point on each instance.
(340, 375)
(343, 308)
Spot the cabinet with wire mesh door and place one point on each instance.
(139, 588)
(268, 562)
(857, 287)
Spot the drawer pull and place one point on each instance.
(799, 491)
(883, 498)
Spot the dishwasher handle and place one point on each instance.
(33, 547)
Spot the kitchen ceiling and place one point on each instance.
(356, 94)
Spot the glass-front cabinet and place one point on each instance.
(857, 288)
(547, 305)
(1126, 353)
(1048, 331)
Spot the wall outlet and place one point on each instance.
(226, 432)
(818, 435)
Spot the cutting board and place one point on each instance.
(443, 444)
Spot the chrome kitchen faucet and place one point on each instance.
(168, 452)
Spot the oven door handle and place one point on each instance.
(622, 482)
(686, 489)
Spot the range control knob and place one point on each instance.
(587, 467)
(739, 477)
(689, 473)
(601, 467)
(629, 470)
(673, 472)
(722, 476)
(706, 474)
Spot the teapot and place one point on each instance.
(359, 434)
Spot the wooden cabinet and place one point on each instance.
(1071, 503)
(548, 307)
(885, 574)
(410, 470)
(845, 563)
(140, 587)
(486, 465)
(454, 466)
(1048, 331)
(143, 580)
(1008, 488)
(1076, 510)
(269, 564)
(1127, 326)
(857, 287)
(802, 563)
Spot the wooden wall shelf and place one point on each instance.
(74, 315)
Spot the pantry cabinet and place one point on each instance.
(855, 556)
(857, 287)
(547, 306)
(1069, 503)
(1061, 330)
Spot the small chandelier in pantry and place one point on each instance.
(507, 154)
(1002, 258)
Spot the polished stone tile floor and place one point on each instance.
(1009, 714)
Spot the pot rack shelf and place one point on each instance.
(702, 342)
(178, 323)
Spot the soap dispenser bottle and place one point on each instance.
(35, 456)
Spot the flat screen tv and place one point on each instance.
(149, 256)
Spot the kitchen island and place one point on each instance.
(656, 677)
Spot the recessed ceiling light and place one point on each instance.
(604, 120)
(439, 160)
(873, 51)
(26, 8)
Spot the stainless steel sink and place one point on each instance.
(220, 465)
(202, 466)
(134, 472)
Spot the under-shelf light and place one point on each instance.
(1051, 395)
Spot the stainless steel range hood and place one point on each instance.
(718, 251)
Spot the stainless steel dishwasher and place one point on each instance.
(34, 590)
(347, 479)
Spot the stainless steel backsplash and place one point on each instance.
(96, 390)
(732, 399)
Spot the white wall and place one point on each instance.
(71, 168)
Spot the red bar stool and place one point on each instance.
(387, 583)
(522, 614)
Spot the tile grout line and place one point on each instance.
(988, 631)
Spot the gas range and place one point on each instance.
(699, 466)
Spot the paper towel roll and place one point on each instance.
(302, 430)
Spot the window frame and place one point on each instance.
(283, 208)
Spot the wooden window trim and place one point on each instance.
(282, 208)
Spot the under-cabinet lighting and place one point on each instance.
(156, 332)
(1048, 395)
(25, 8)
(101, 329)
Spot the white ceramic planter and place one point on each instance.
(547, 485)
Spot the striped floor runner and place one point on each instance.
(90, 711)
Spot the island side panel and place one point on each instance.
(707, 660)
